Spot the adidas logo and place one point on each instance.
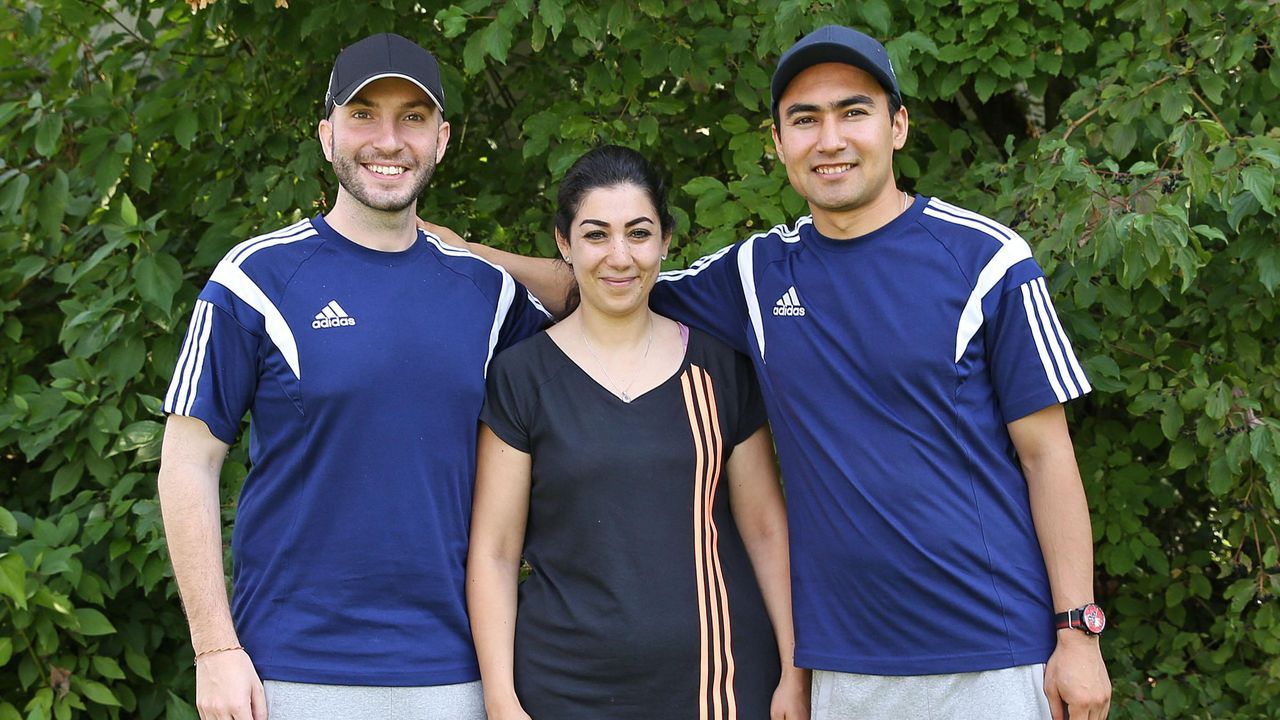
(789, 304)
(332, 316)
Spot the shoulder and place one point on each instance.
(954, 225)
(262, 265)
(710, 352)
(530, 359)
(275, 247)
(979, 244)
(465, 262)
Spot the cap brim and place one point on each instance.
(344, 97)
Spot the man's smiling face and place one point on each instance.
(384, 143)
(837, 138)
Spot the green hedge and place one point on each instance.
(1134, 143)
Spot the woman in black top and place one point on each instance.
(626, 459)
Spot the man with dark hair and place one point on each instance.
(914, 371)
(359, 345)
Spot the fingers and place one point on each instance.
(1057, 708)
(259, 701)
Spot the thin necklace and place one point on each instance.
(624, 391)
(904, 201)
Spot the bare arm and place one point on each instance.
(499, 514)
(227, 686)
(755, 498)
(1076, 676)
(548, 280)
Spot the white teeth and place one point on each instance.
(386, 169)
(832, 169)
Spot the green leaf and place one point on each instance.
(138, 434)
(158, 277)
(1261, 183)
(8, 524)
(93, 622)
(98, 693)
(53, 204)
(184, 130)
(13, 573)
(6, 650)
(178, 709)
(128, 213)
(47, 133)
(107, 667)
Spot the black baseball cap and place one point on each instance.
(381, 56)
(838, 44)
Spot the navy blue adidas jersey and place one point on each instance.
(364, 374)
(891, 364)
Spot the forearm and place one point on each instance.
(549, 281)
(766, 547)
(1061, 517)
(193, 530)
(491, 603)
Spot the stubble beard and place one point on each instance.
(347, 169)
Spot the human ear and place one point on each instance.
(442, 140)
(562, 243)
(900, 128)
(325, 134)
(777, 143)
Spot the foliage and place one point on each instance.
(1129, 140)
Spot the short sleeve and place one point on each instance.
(750, 406)
(508, 401)
(708, 296)
(1033, 364)
(525, 318)
(216, 372)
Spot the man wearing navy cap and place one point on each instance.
(914, 371)
(941, 550)
(359, 345)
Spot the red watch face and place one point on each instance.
(1094, 619)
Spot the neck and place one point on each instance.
(615, 331)
(848, 224)
(384, 230)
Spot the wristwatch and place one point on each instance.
(1087, 618)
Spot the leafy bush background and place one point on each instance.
(1133, 142)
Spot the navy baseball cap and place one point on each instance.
(838, 44)
(382, 56)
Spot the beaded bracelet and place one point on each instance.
(217, 650)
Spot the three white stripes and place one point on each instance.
(1056, 355)
(182, 391)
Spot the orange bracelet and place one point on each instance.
(217, 650)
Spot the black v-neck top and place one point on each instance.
(642, 602)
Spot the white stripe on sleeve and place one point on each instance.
(1055, 326)
(747, 273)
(231, 277)
(181, 371)
(202, 351)
(1039, 300)
(505, 298)
(1045, 362)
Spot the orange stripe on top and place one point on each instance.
(699, 469)
(712, 418)
(716, 678)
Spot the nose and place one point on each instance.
(619, 252)
(830, 139)
(388, 138)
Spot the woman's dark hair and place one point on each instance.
(605, 167)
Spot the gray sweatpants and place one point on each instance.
(1015, 693)
(305, 701)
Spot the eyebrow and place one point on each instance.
(417, 103)
(604, 224)
(851, 101)
(601, 223)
